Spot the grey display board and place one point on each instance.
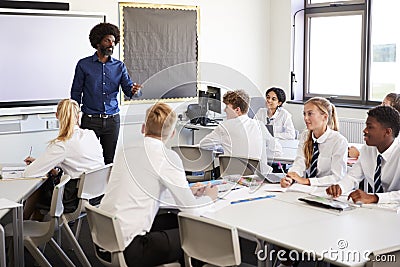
(160, 50)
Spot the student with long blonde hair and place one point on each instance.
(73, 151)
(322, 152)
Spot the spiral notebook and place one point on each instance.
(326, 203)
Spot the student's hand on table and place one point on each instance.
(198, 189)
(334, 190)
(211, 191)
(29, 160)
(353, 152)
(365, 198)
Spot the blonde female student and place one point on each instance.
(275, 115)
(322, 152)
(73, 151)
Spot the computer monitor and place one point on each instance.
(214, 98)
(201, 109)
(203, 102)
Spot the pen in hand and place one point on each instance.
(29, 159)
(280, 167)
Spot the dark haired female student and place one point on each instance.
(274, 114)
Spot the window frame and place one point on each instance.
(330, 8)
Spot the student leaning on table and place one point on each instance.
(142, 174)
(382, 127)
(274, 114)
(322, 131)
(241, 136)
(74, 150)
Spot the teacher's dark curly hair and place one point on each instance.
(101, 30)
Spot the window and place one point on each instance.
(350, 55)
(384, 70)
(334, 55)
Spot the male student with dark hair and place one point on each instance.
(378, 163)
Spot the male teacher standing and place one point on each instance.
(96, 86)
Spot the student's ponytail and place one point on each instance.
(325, 107)
(67, 115)
(334, 124)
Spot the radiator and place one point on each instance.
(352, 129)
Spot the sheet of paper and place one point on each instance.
(274, 188)
(302, 188)
(9, 172)
(8, 204)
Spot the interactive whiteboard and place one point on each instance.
(39, 53)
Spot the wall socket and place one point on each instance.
(52, 124)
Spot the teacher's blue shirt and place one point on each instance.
(96, 85)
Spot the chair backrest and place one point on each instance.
(106, 234)
(208, 240)
(195, 158)
(56, 210)
(57, 207)
(93, 183)
(230, 165)
(255, 104)
(384, 258)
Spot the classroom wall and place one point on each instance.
(250, 39)
(234, 36)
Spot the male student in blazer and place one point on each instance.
(382, 127)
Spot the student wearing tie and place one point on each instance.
(322, 152)
(378, 163)
(275, 115)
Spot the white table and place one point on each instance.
(18, 190)
(292, 224)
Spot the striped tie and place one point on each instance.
(314, 161)
(377, 177)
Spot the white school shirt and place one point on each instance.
(141, 176)
(243, 137)
(281, 121)
(332, 159)
(82, 152)
(365, 168)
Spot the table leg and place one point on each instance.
(2, 248)
(18, 236)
